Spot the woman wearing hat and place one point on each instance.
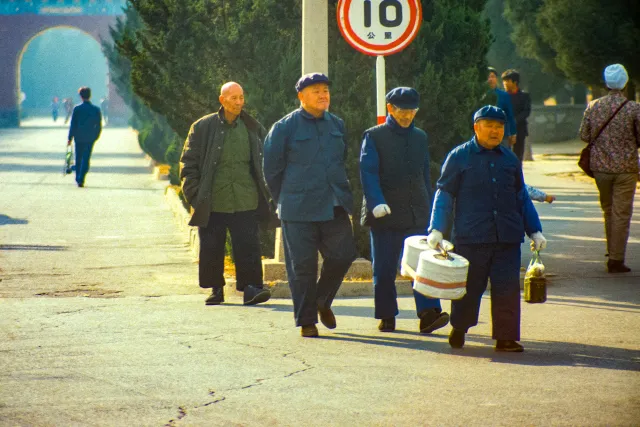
(612, 125)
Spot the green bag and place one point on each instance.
(535, 281)
(68, 161)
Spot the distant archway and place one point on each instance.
(23, 21)
(55, 63)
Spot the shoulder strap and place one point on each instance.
(609, 121)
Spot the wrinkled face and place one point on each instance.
(489, 133)
(509, 85)
(315, 98)
(403, 116)
(232, 99)
(492, 79)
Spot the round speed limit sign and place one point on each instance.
(379, 27)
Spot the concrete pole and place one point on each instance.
(315, 36)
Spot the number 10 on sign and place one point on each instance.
(379, 28)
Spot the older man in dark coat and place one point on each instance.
(304, 165)
(222, 179)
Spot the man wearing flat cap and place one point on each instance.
(304, 165)
(394, 170)
(611, 125)
(481, 187)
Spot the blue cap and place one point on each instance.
(490, 112)
(404, 97)
(311, 79)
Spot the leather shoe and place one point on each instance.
(456, 338)
(309, 331)
(216, 297)
(509, 346)
(432, 319)
(617, 266)
(327, 317)
(254, 295)
(387, 325)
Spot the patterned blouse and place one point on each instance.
(616, 149)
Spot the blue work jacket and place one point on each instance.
(86, 123)
(304, 166)
(504, 102)
(483, 191)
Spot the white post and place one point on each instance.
(381, 104)
(315, 36)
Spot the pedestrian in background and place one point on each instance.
(482, 189)
(304, 165)
(85, 129)
(612, 125)
(222, 180)
(394, 170)
(501, 99)
(68, 108)
(521, 103)
(55, 106)
(104, 107)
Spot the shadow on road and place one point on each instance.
(15, 167)
(42, 155)
(7, 220)
(32, 248)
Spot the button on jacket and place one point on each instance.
(486, 190)
(304, 166)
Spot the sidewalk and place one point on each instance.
(103, 323)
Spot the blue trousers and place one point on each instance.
(302, 241)
(386, 249)
(501, 263)
(83, 159)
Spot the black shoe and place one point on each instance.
(254, 295)
(432, 319)
(309, 331)
(81, 184)
(509, 346)
(327, 317)
(216, 297)
(616, 266)
(456, 338)
(387, 325)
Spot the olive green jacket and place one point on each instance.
(200, 156)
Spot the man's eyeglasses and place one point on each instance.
(405, 111)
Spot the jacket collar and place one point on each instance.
(249, 121)
(396, 128)
(307, 115)
(477, 148)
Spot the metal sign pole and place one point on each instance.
(381, 105)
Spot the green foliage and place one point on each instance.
(502, 56)
(186, 50)
(577, 38)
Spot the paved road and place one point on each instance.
(102, 322)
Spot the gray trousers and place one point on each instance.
(617, 191)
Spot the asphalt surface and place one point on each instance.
(102, 321)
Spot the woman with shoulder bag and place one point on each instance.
(610, 126)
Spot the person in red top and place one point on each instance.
(614, 160)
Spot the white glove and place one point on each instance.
(381, 210)
(538, 242)
(434, 239)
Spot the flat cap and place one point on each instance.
(311, 79)
(404, 97)
(615, 76)
(490, 112)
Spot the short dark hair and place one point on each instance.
(492, 70)
(85, 92)
(512, 75)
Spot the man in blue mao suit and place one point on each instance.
(85, 128)
(394, 170)
(503, 101)
(482, 187)
(304, 166)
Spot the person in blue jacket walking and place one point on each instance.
(503, 101)
(394, 170)
(85, 129)
(482, 188)
(304, 166)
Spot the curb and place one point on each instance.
(278, 288)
